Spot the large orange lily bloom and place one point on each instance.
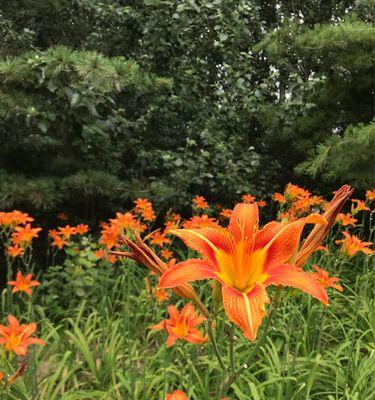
(245, 260)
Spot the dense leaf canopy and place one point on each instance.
(103, 101)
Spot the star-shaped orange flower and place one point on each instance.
(16, 337)
(23, 283)
(182, 325)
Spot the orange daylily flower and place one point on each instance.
(346, 219)
(14, 217)
(370, 195)
(144, 207)
(160, 295)
(159, 239)
(176, 395)
(226, 213)
(361, 206)
(261, 203)
(248, 198)
(295, 192)
(62, 216)
(325, 280)
(81, 229)
(279, 198)
(25, 234)
(245, 260)
(17, 338)
(23, 283)
(202, 221)
(182, 325)
(351, 245)
(200, 202)
(15, 250)
(67, 231)
(166, 254)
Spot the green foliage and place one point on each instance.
(346, 158)
(212, 97)
(102, 349)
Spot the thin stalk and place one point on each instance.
(214, 346)
(233, 376)
(231, 352)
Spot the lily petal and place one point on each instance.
(246, 310)
(187, 271)
(244, 221)
(206, 241)
(284, 244)
(290, 275)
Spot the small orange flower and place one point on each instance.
(325, 280)
(202, 221)
(226, 213)
(23, 283)
(67, 231)
(159, 239)
(166, 254)
(176, 395)
(248, 198)
(361, 206)
(295, 192)
(182, 325)
(279, 198)
(370, 195)
(15, 250)
(14, 218)
(345, 219)
(62, 216)
(200, 202)
(16, 337)
(81, 229)
(59, 242)
(25, 234)
(351, 245)
(161, 295)
(261, 203)
(144, 208)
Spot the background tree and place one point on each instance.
(116, 99)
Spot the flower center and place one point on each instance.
(181, 329)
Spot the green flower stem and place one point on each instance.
(214, 346)
(232, 377)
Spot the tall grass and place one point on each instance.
(103, 349)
